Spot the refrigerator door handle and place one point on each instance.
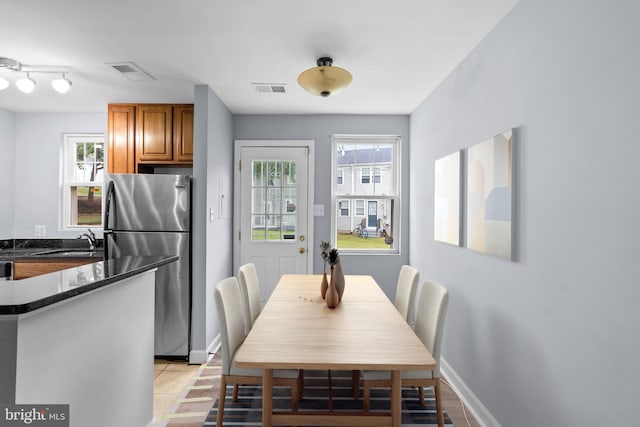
(107, 206)
(109, 235)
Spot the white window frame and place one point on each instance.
(355, 208)
(376, 175)
(364, 175)
(338, 140)
(68, 159)
(348, 202)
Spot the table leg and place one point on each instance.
(396, 398)
(267, 397)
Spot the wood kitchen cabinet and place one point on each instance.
(183, 133)
(154, 139)
(162, 136)
(24, 269)
(121, 138)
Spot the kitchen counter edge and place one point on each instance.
(113, 270)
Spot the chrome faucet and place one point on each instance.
(90, 237)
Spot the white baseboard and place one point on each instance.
(471, 401)
(214, 346)
(197, 357)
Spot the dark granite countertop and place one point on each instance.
(44, 250)
(44, 255)
(23, 296)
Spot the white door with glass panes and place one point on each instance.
(274, 221)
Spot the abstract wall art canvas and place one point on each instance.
(490, 195)
(446, 224)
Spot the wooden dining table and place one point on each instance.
(296, 330)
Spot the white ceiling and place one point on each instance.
(397, 52)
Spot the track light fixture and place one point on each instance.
(61, 85)
(10, 64)
(27, 84)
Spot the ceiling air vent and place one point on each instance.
(270, 87)
(132, 71)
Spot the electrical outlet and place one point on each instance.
(318, 210)
(40, 230)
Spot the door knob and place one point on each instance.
(301, 250)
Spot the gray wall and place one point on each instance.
(212, 244)
(320, 128)
(38, 154)
(7, 171)
(552, 337)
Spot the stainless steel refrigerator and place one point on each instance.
(151, 215)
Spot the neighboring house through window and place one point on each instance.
(344, 208)
(83, 176)
(366, 176)
(359, 208)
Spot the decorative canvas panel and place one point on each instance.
(490, 195)
(446, 222)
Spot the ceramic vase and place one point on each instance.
(339, 279)
(332, 292)
(325, 285)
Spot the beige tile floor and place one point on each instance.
(183, 395)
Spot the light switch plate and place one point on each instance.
(40, 230)
(318, 210)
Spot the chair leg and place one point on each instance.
(436, 390)
(355, 378)
(421, 394)
(365, 397)
(300, 384)
(236, 387)
(295, 392)
(223, 392)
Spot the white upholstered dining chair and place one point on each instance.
(232, 332)
(406, 292)
(250, 290)
(404, 303)
(429, 327)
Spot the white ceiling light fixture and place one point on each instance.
(325, 79)
(61, 85)
(10, 64)
(26, 84)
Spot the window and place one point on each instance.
(374, 192)
(83, 175)
(366, 176)
(376, 175)
(273, 200)
(344, 208)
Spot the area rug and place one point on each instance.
(247, 411)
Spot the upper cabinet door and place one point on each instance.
(183, 133)
(153, 139)
(121, 138)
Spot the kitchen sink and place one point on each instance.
(68, 252)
